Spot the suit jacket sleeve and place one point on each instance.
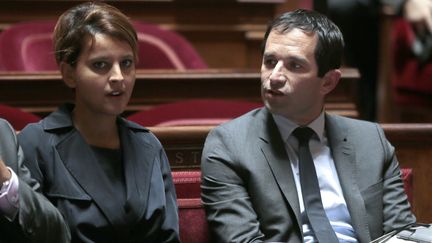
(227, 203)
(396, 209)
(37, 218)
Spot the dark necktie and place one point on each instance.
(310, 189)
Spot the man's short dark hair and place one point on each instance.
(330, 45)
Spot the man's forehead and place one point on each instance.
(296, 35)
(279, 30)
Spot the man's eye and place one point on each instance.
(100, 65)
(270, 62)
(295, 65)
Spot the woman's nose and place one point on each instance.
(116, 74)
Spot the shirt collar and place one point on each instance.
(286, 126)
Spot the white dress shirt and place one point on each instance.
(331, 191)
(9, 197)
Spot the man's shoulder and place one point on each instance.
(244, 121)
(4, 125)
(352, 127)
(350, 122)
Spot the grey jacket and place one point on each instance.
(37, 220)
(249, 192)
(74, 181)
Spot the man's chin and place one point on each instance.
(274, 108)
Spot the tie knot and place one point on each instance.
(303, 134)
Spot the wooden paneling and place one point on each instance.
(41, 93)
(413, 143)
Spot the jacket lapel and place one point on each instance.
(273, 148)
(78, 158)
(83, 166)
(138, 160)
(345, 163)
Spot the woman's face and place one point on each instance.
(104, 76)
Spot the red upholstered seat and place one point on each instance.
(16, 117)
(193, 112)
(28, 46)
(407, 177)
(187, 183)
(164, 49)
(193, 223)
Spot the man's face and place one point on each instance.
(290, 85)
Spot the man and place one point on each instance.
(25, 215)
(252, 189)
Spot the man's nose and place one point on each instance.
(277, 77)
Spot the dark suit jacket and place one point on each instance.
(248, 187)
(72, 179)
(37, 219)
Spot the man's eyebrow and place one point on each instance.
(268, 54)
(298, 59)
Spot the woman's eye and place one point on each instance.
(127, 63)
(100, 65)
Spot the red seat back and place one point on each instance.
(164, 49)
(193, 112)
(16, 117)
(28, 46)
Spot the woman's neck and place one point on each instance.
(97, 130)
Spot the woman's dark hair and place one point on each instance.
(85, 21)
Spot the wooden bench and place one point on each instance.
(40, 93)
(413, 144)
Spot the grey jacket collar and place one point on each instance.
(62, 119)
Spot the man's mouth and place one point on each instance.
(274, 92)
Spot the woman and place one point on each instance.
(109, 177)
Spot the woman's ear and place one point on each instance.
(330, 80)
(68, 74)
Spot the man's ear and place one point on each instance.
(68, 74)
(330, 80)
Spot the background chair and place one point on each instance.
(193, 112)
(164, 49)
(28, 46)
(16, 117)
